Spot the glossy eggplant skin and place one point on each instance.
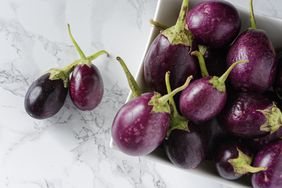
(226, 151)
(201, 101)
(278, 81)
(241, 117)
(86, 87)
(162, 56)
(214, 23)
(45, 97)
(186, 149)
(136, 130)
(271, 157)
(258, 74)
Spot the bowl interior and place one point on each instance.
(167, 13)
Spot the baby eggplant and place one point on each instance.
(86, 85)
(46, 96)
(170, 51)
(278, 81)
(141, 125)
(251, 115)
(205, 98)
(214, 23)
(233, 161)
(253, 45)
(185, 146)
(270, 157)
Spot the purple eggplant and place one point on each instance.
(205, 98)
(46, 96)
(253, 45)
(232, 161)
(278, 81)
(270, 157)
(214, 23)
(251, 115)
(258, 143)
(170, 51)
(86, 84)
(185, 146)
(141, 125)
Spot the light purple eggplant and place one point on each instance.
(205, 98)
(270, 157)
(141, 125)
(251, 115)
(214, 23)
(170, 51)
(86, 85)
(253, 45)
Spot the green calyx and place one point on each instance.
(178, 34)
(273, 117)
(200, 55)
(177, 121)
(158, 25)
(135, 89)
(63, 74)
(242, 164)
(253, 24)
(219, 82)
(160, 103)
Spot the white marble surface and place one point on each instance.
(71, 150)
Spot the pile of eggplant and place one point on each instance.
(215, 94)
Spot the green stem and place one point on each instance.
(78, 49)
(158, 25)
(180, 24)
(253, 24)
(202, 63)
(97, 54)
(223, 78)
(171, 100)
(168, 96)
(136, 91)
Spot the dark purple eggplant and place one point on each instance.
(185, 146)
(141, 125)
(86, 84)
(278, 81)
(251, 115)
(46, 96)
(170, 51)
(258, 143)
(232, 161)
(269, 157)
(206, 97)
(214, 23)
(253, 45)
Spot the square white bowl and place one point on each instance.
(167, 12)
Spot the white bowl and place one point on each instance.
(167, 12)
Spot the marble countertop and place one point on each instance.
(71, 149)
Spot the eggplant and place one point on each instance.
(86, 84)
(270, 157)
(278, 81)
(206, 97)
(251, 115)
(215, 60)
(233, 160)
(170, 51)
(46, 95)
(185, 146)
(253, 45)
(141, 125)
(214, 23)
